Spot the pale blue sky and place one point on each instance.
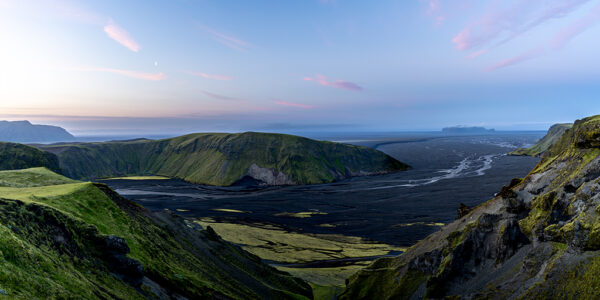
(338, 65)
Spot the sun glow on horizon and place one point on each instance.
(386, 65)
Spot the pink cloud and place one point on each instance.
(128, 73)
(121, 36)
(559, 40)
(227, 40)
(501, 24)
(210, 76)
(298, 105)
(339, 84)
(219, 97)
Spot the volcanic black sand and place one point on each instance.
(397, 209)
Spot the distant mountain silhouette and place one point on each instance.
(25, 132)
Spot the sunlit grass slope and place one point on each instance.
(31, 178)
(56, 241)
(223, 159)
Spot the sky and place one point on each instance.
(171, 67)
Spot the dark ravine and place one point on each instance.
(539, 238)
(225, 159)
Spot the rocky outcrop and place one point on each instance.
(538, 238)
(462, 211)
(268, 176)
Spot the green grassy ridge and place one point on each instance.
(222, 159)
(189, 262)
(553, 135)
(18, 156)
(31, 178)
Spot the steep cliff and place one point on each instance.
(538, 239)
(553, 135)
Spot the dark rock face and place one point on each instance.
(115, 250)
(462, 210)
(25, 132)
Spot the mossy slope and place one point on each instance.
(83, 241)
(18, 156)
(553, 135)
(224, 159)
(538, 239)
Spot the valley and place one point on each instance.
(324, 233)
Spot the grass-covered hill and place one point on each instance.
(538, 239)
(18, 156)
(64, 239)
(553, 135)
(224, 159)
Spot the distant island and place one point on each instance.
(25, 132)
(467, 130)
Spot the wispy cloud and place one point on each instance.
(120, 35)
(220, 97)
(500, 25)
(297, 105)
(434, 9)
(227, 40)
(577, 27)
(339, 84)
(518, 59)
(128, 73)
(558, 41)
(210, 76)
(477, 53)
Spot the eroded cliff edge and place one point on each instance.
(539, 238)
